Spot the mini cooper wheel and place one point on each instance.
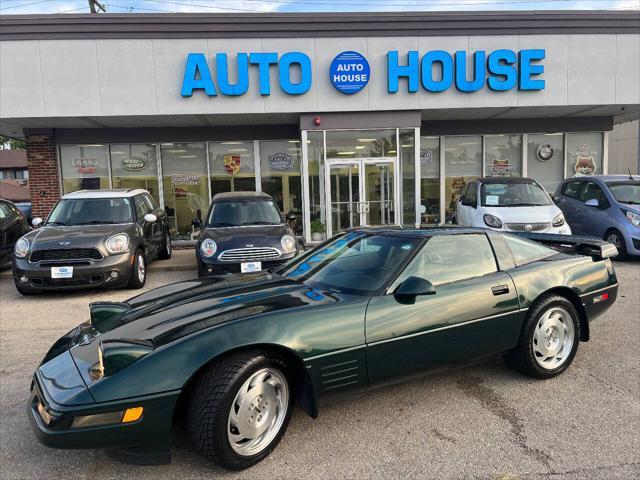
(549, 339)
(240, 409)
(138, 271)
(166, 248)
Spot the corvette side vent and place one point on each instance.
(345, 372)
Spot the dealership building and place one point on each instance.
(344, 119)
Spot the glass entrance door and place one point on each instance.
(361, 192)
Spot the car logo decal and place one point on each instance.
(64, 243)
(247, 245)
(528, 227)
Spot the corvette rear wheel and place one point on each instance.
(549, 339)
(240, 409)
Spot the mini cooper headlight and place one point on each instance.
(492, 221)
(634, 218)
(22, 248)
(288, 243)
(558, 220)
(117, 244)
(208, 247)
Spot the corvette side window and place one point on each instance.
(450, 258)
(526, 251)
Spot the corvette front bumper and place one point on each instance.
(145, 441)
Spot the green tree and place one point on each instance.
(7, 143)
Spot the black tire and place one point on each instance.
(135, 280)
(620, 245)
(523, 357)
(166, 248)
(211, 400)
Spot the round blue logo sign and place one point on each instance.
(349, 72)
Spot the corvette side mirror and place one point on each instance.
(408, 290)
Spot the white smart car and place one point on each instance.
(509, 203)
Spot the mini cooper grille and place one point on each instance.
(527, 227)
(254, 254)
(66, 254)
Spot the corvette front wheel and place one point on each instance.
(240, 409)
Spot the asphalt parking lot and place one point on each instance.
(480, 422)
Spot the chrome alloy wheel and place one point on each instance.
(258, 412)
(141, 268)
(553, 338)
(616, 240)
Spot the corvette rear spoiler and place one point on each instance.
(590, 246)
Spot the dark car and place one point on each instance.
(605, 206)
(244, 232)
(93, 238)
(13, 225)
(368, 307)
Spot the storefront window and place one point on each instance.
(135, 166)
(430, 180)
(463, 162)
(584, 154)
(232, 167)
(408, 169)
(315, 154)
(185, 184)
(361, 144)
(280, 175)
(503, 155)
(84, 167)
(545, 159)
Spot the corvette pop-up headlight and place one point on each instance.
(492, 221)
(558, 220)
(118, 244)
(633, 217)
(22, 248)
(208, 247)
(288, 243)
(114, 355)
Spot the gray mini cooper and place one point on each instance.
(92, 238)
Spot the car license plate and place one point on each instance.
(61, 272)
(247, 267)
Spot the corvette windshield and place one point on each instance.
(626, 192)
(513, 195)
(356, 263)
(91, 211)
(241, 213)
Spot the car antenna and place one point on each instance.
(630, 176)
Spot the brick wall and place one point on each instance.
(44, 186)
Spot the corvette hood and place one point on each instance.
(175, 311)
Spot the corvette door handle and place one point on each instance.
(500, 289)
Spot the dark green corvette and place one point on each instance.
(229, 355)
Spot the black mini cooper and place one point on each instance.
(92, 238)
(243, 232)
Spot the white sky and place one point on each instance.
(11, 7)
